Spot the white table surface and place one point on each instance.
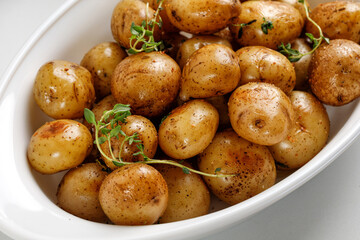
(327, 207)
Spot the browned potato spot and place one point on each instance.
(149, 82)
(189, 129)
(78, 192)
(253, 164)
(134, 194)
(260, 113)
(59, 145)
(63, 89)
(335, 72)
(308, 135)
(261, 64)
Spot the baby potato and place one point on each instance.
(101, 61)
(220, 103)
(308, 135)
(78, 192)
(188, 194)
(260, 113)
(134, 194)
(146, 133)
(252, 164)
(195, 43)
(189, 129)
(149, 82)
(298, 5)
(201, 17)
(275, 23)
(302, 66)
(59, 145)
(212, 70)
(334, 74)
(338, 20)
(124, 14)
(262, 64)
(63, 89)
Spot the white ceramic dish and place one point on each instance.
(27, 208)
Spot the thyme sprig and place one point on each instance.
(144, 34)
(294, 55)
(242, 25)
(266, 26)
(109, 126)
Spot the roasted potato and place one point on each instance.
(63, 89)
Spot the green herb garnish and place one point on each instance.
(266, 25)
(242, 25)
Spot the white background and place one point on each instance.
(327, 207)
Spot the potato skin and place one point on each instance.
(260, 113)
(63, 89)
(189, 129)
(134, 194)
(308, 135)
(78, 192)
(124, 14)
(211, 71)
(101, 61)
(302, 66)
(262, 64)
(195, 43)
(188, 194)
(337, 82)
(149, 82)
(287, 22)
(234, 155)
(337, 19)
(215, 15)
(59, 145)
(147, 134)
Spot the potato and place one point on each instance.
(189, 129)
(101, 61)
(211, 71)
(220, 103)
(173, 41)
(188, 194)
(260, 113)
(214, 15)
(63, 89)
(134, 194)
(302, 66)
(262, 64)
(59, 145)
(308, 135)
(146, 133)
(287, 24)
(252, 164)
(334, 72)
(149, 82)
(195, 43)
(338, 20)
(298, 5)
(78, 192)
(124, 14)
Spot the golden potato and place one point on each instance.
(260, 113)
(63, 89)
(149, 82)
(334, 74)
(337, 19)
(286, 24)
(188, 194)
(78, 192)
(195, 43)
(189, 129)
(302, 66)
(252, 163)
(298, 5)
(262, 64)
(146, 133)
(124, 14)
(214, 15)
(134, 194)
(308, 135)
(211, 71)
(101, 61)
(59, 145)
